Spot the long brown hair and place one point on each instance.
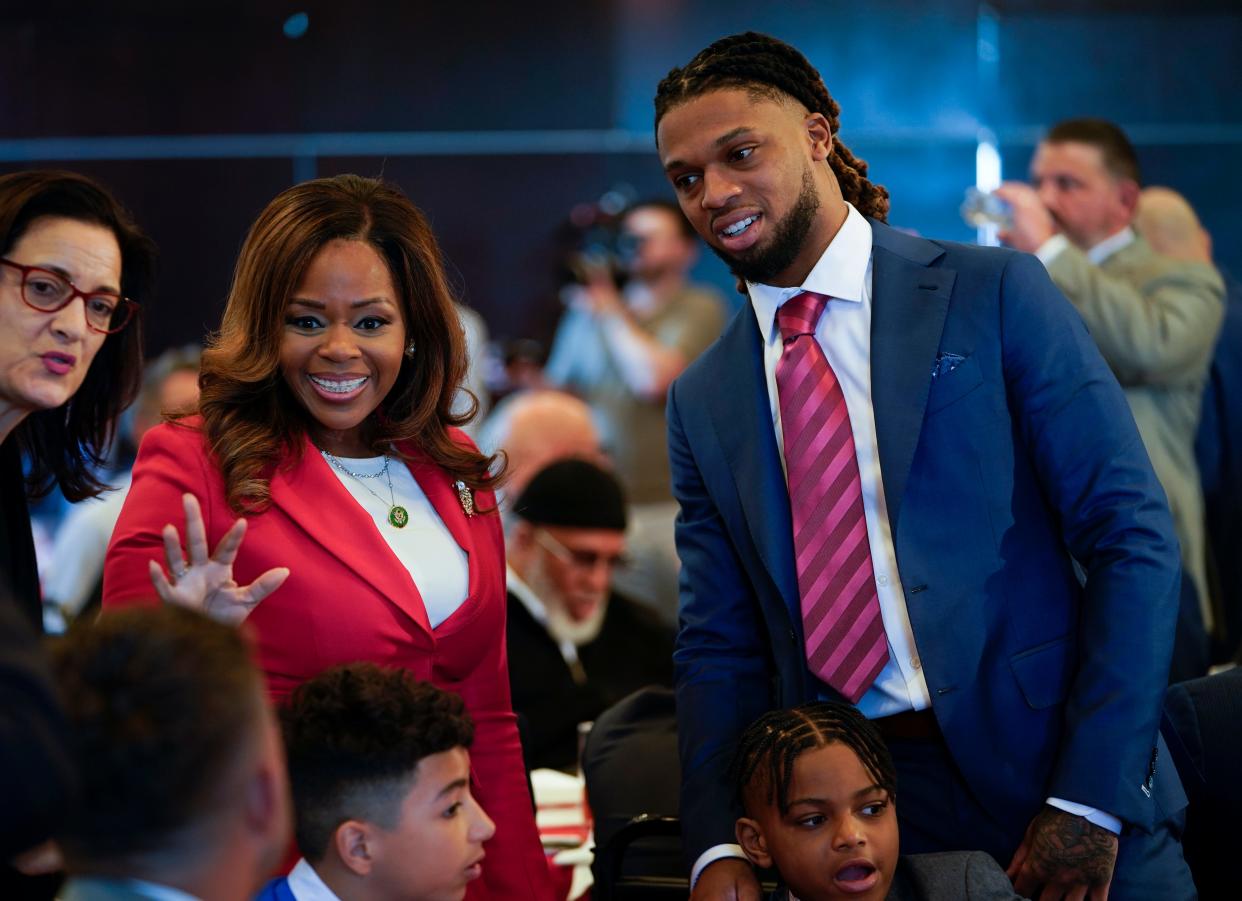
(251, 417)
(67, 445)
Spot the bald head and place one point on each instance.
(1171, 227)
(542, 427)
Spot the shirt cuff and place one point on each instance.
(1051, 249)
(711, 855)
(1091, 814)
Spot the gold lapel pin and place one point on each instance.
(465, 496)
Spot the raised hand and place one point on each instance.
(204, 581)
(1067, 855)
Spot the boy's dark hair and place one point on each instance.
(68, 445)
(770, 68)
(779, 736)
(1107, 137)
(160, 703)
(354, 736)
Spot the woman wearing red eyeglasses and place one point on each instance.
(71, 259)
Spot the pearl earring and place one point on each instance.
(409, 350)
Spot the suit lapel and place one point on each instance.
(742, 419)
(909, 305)
(311, 495)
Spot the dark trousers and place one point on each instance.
(938, 812)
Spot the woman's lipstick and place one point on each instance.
(58, 363)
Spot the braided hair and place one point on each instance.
(778, 738)
(769, 68)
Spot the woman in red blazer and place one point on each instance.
(340, 346)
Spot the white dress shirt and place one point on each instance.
(1051, 249)
(306, 885)
(843, 273)
(426, 548)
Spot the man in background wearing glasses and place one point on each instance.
(575, 646)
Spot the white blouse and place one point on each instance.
(435, 561)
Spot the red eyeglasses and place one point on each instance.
(48, 291)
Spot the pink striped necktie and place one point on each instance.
(844, 632)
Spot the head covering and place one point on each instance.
(574, 493)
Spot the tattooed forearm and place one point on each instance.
(1069, 849)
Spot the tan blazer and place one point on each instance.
(1155, 320)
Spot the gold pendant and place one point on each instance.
(466, 496)
(398, 516)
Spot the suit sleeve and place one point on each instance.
(1160, 332)
(721, 666)
(1071, 415)
(171, 462)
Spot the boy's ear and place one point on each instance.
(354, 844)
(750, 837)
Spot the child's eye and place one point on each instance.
(812, 821)
(875, 809)
(451, 811)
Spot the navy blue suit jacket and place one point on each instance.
(995, 473)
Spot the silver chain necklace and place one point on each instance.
(398, 516)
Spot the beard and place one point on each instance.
(764, 264)
(561, 626)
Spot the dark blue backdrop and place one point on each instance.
(498, 117)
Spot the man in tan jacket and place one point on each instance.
(1154, 318)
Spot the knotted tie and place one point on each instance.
(844, 631)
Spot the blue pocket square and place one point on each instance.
(946, 363)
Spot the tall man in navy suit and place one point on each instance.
(911, 462)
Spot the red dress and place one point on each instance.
(348, 598)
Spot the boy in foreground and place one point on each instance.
(380, 771)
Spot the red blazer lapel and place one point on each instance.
(313, 498)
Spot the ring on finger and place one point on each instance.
(180, 572)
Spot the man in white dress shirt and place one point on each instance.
(1155, 318)
(887, 467)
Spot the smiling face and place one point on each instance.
(343, 343)
(436, 845)
(751, 175)
(45, 356)
(838, 839)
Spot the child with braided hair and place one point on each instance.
(819, 789)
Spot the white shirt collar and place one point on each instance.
(306, 885)
(526, 595)
(1110, 245)
(841, 273)
(153, 890)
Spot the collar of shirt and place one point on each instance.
(534, 606)
(841, 273)
(526, 595)
(306, 885)
(1110, 245)
(153, 890)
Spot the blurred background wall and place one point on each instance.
(499, 119)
